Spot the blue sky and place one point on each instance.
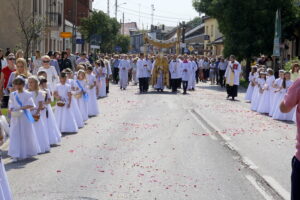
(168, 12)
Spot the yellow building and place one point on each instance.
(213, 40)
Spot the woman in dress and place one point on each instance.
(23, 139)
(251, 85)
(264, 104)
(295, 71)
(63, 114)
(37, 62)
(39, 124)
(52, 75)
(21, 70)
(212, 72)
(47, 114)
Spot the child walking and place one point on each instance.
(39, 124)
(23, 140)
(48, 116)
(93, 108)
(63, 114)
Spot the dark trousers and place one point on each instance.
(184, 86)
(116, 75)
(179, 83)
(144, 84)
(174, 84)
(295, 194)
(206, 74)
(107, 85)
(232, 91)
(197, 75)
(221, 77)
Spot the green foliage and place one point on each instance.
(124, 42)
(195, 22)
(248, 26)
(288, 65)
(101, 24)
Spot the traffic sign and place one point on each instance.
(118, 49)
(191, 48)
(79, 41)
(65, 34)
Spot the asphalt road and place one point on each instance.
(164, 147)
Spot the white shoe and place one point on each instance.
(15, 160)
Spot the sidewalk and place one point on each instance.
(264, 144)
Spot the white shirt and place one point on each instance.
(223, 66)
(186, 70)
(237, 68)
(143, 68)
(52, 76)
(175, 70)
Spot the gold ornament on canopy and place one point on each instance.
(164, 43)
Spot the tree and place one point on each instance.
(194, 22)
(248, 26)
(99, 23)
(30, 26)
(123, 41)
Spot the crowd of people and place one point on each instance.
(266, 93)
(57, 93)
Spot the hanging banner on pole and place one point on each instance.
(277, 37)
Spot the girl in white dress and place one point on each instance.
(264, 104)
(251, 86)
(93, 108)
(286, 84)
(39, 124)
(257, 93)
(63, 114)
(101, 73)
(5, 192)
(74, 104)
(48, 115)
(275, 94)
(23, 140)
(82, 95)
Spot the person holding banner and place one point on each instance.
(23, 140)
(232, 76)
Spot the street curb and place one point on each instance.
(251, 168)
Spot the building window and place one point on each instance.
(40, 7)
(206, 30)
(212, 30)
(35, 6)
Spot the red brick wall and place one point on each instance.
(82, 10)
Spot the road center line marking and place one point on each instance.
(200, 123)
(283, 192)
(253, 181)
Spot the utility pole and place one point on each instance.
(152, 13)
(183, 36)
(123, 29)
(139, 15)
(108, 7)
(116, 9)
